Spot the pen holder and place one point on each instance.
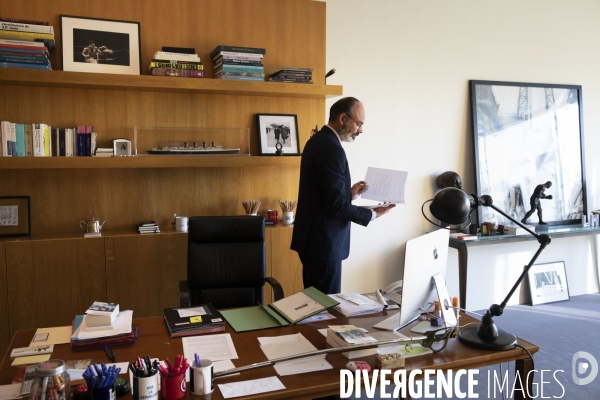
(172, 387)
(146, 387)
(105, 393)
(288, 217)
(201, 377)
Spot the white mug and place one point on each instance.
(201, 377)
(181, 224)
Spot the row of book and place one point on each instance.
(42, 140)
(238, 63)
(176, 62)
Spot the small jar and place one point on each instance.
(51, 381)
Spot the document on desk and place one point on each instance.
(384, 185)
(212, 347)
(54, 335)
(291, 345)
(246, 388)
(10, 391)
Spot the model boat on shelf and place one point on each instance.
(192, 150)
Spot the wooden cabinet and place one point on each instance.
(48, 278)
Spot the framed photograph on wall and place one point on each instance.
(525, 135)
(15, 217)
(548, 283)
(100, 45)
(278, 130)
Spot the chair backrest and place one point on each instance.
(226, 260)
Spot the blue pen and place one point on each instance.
(197, 357)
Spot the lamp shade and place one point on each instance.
(451, 205)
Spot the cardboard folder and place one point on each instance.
(287, 311)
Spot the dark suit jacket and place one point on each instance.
(322, 224)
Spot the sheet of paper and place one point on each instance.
(322, 316)
(355, 298)
(245, 388)
(30, 359)
(223, 365)
(77, 373)
(211, 347)
(302, 366)
(191, 312)
(289, 345)
(323, 331)
(385, 185)
(10, 391)
(122, 325)
(298, 305)
(54, 335)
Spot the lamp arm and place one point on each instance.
(543, 240)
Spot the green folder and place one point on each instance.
(274, 315)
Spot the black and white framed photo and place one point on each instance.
(278, 131)
(15, 216)
(525, 135)
(548, 283)
(100, 45)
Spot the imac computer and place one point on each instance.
(426, 257)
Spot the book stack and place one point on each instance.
(23, 54)
(27, 31)
(292, 75)
(148, 227)
(84, 338)
(238, 63)
(192, 321)
(177, 62)
(101, 316)
(104, 152)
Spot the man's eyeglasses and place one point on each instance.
(360, 124)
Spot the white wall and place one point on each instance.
(409, 62)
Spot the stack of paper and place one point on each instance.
(354, 304)
(347, 335)
(122, 333)
(291, 345)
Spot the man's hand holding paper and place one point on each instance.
(384, 185)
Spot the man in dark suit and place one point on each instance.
(322, 226)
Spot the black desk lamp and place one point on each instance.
(453, 206)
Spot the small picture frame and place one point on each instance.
(100, 45)
(548, 283)
(15, 215)
(121, 147)
(278, 131)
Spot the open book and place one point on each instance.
(287, 311)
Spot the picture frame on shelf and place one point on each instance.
(15, 216)
(526, 134)
(548, 283)
(100, 45)
(278, 130)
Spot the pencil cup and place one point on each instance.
(145, 388)
(201, 378)
(288, 217)
(104, 393)
(172, 387)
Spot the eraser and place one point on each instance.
(437, 321)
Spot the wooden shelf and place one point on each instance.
(148, 162)
(65, 79)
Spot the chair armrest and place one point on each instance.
(185, 296)
(277, 289)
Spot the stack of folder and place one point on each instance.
(122, 333)
(354, 304)
(195, 320)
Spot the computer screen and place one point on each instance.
(425, 256)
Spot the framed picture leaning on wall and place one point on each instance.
(548, 283)
(525, 135)
(278, 130)
(100, 45)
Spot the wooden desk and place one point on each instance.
(154, 340)
(462, 246)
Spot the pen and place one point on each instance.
(197, 357)
(381, 299)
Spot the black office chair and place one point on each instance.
(226, 263)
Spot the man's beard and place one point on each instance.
(346, 134)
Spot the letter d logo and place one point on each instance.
(582, 367)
